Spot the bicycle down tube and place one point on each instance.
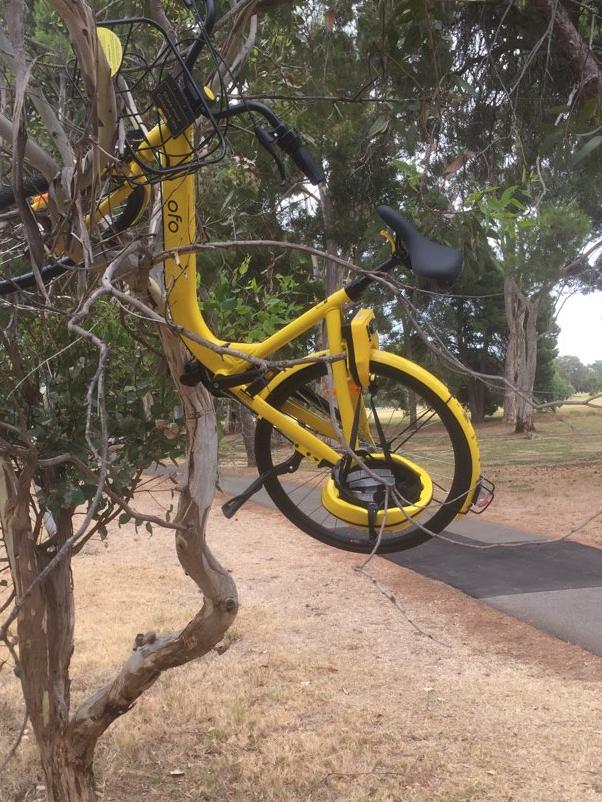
(179, 232)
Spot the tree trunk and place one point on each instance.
(409, 353)
(333, 271)
(247, 420)
(45, 631)
(521, 356)
(68, 779)
(514, 319)
(476, 400)
(477, 389)
(231, 416)
(581, 58)
(528, 367)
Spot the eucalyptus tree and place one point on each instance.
(88, 392)
(423, 106)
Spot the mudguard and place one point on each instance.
(421, 375)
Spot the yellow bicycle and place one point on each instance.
(361, 451)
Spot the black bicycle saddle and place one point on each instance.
(428, 259)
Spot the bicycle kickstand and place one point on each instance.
(232, 506)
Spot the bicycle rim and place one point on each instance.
(417, 426)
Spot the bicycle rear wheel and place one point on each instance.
(418, 426)
(14, 272)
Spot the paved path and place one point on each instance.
(557, 587)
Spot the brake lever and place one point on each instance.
(267, 140)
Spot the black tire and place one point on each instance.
(445, 454)
(127, 215)
(38, 185)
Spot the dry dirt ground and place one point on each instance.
(326, 692)
(549, 499)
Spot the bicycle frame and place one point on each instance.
(179, 232)
(179, 237)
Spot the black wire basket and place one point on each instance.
(161, 89)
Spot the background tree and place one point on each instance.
(422, 107)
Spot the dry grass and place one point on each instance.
(325, 692)
(548, 499)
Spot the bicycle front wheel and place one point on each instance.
(417, 425)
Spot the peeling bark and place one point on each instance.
(80, 22)
(521, 356)
(45, 631)
(581, 58)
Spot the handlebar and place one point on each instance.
(246, 106)
(201, 40)
(287, 138)
(282, 135)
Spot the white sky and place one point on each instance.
(580, 322)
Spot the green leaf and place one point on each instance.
(507, 195)
(379, 126)
(589, 146)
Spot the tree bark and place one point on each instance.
(67, 778)
(45, 636)
(528, 366)
(248, 435)
(581, 58)
(521, 356)
(514, 320)
(333, 271)
(476, 400)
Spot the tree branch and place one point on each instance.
(581, 58)
(34, 154)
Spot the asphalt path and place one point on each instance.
(556, 587)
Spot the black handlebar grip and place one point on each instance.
(308, 165)
(289, 140)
